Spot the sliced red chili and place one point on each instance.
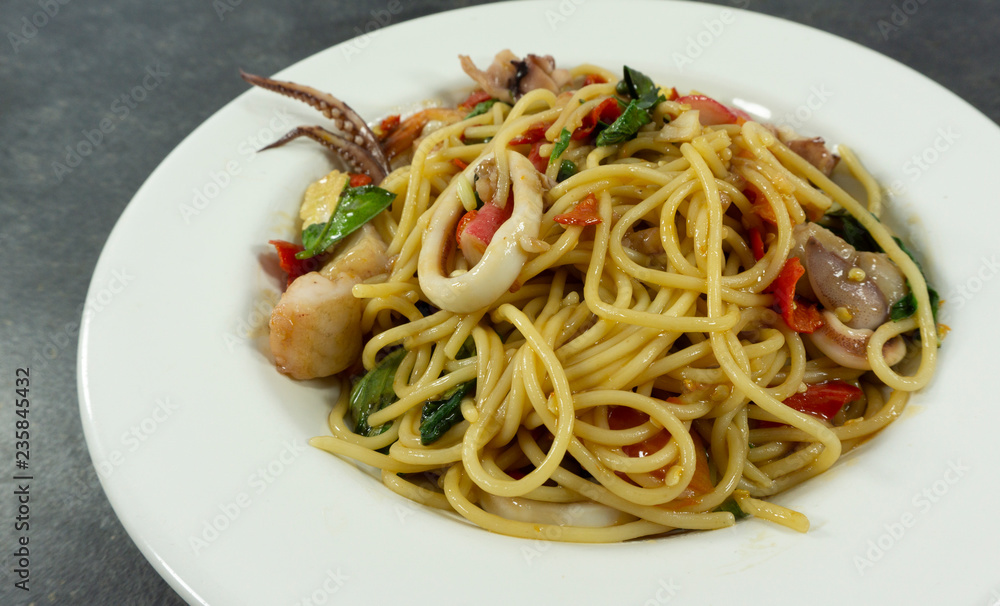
(606, 111)
(584, 212)
(800, 316)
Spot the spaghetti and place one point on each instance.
(635, 350)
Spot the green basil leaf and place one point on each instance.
(438, 416)
(560, 145)
(480, 108)
(904, 308)
(373, 392)
(642, 88)
(356, 206)
(907, 306)
(626, 126)
(566, 170)
(850, 230)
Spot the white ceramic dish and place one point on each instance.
(200, 444)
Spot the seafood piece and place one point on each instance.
(503, 258)
(849, 346)
(316, 326)
(508, 77)
(584, 513)
(814, 152)
(358, 146)
(864, 285)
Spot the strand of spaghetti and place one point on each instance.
(562, 426)
(600, 494)
(364, 455)
(772, 512)
(740, 380)
(414, 204)
(422, 394)
(339, 428)
(413, 492)
(611, 312)
(918, 286)
(531, 530)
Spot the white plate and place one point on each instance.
(197, 438)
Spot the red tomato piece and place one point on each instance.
(476, 229)
(388, 125)
(711, 112)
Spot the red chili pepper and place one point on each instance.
(824, 400)
(583, 212)
(537, 160)
(358, 179)
(533, 135)
(475, 98)
(607, 111)
(800, 316)
(289, 264)
(760, 206)
(388, 125)
(460, 163)
(756, 243)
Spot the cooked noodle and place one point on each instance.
(681, 331)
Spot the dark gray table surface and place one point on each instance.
(66, 65)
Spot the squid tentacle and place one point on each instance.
(353, 154)
(345, 118)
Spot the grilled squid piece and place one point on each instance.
(857, 289)
(503, 258)
(586, 514)
(357, 146)
(849, 346)
(508, 77)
